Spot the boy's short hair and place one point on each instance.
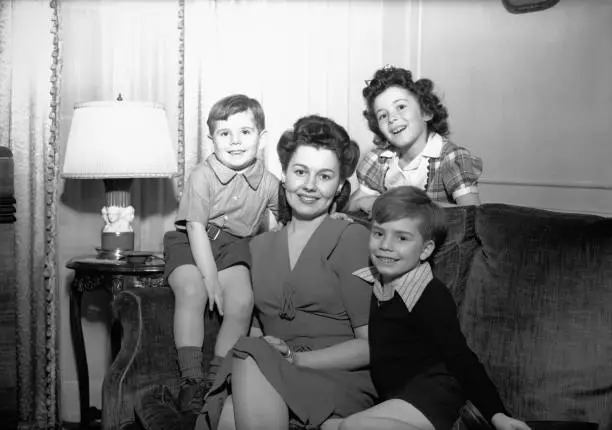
(232, 105)
(414, 203)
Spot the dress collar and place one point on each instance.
(433, 148)
(253, 174)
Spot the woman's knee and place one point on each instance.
(351, 423)
(226, 420)
(188, 286)
(244, 365)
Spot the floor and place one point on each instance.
(8, 421)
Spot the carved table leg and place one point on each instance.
(78, 343)
(116, 331)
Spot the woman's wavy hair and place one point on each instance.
(423, 90)
(321, 133)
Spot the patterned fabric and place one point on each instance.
(409, 287)
(452, 174)
(416, 171)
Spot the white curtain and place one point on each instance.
(29, 77)
(296, 57)
(111, 47)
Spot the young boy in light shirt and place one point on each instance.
(207, 257)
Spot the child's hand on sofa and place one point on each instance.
(341, 216)
(504, 422)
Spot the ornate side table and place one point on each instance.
(92, 273)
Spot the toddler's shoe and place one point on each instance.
(191, 396)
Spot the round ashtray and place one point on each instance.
(136, 257)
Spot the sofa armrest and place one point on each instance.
(147, 355)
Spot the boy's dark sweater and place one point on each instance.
(404, 344)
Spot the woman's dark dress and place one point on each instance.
(313, 306)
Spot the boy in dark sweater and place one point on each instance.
(421, 365)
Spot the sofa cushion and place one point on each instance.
(451, 262)
(538, 311)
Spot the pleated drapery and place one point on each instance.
(296, 57)
(29, 102)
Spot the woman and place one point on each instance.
(305, 359)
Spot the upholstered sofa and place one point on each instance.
(534, 293)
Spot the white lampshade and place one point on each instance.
(119, 139)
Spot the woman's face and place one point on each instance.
(312, 179)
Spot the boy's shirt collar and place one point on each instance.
(432, 149)
(253, 174)
(410, 286)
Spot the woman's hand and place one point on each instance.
(282, 347)
(504, 422)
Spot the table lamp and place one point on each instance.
(117, 141)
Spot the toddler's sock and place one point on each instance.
(191, 395)
(190, 362)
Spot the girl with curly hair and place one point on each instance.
(411, 134)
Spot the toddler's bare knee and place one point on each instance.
(190, 291)
(239, 303)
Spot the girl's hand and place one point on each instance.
(504, 422)
(277, 227)
(282, 347)
(365, 204)
(341, 216)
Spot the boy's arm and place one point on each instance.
(273, 207)
(437, 315)
(255, 331)
(273, 203)
(203, 257)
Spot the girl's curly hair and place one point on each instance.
(423, 90)
(321, 133)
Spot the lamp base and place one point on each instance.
(115, 243)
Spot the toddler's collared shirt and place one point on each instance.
(410, 286)
(234, 201)
(415, 173)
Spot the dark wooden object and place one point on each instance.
(112, 276)
(8, 346)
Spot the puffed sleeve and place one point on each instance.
(195, 202)
(370, 174)
(460, 172)
(349, 255)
